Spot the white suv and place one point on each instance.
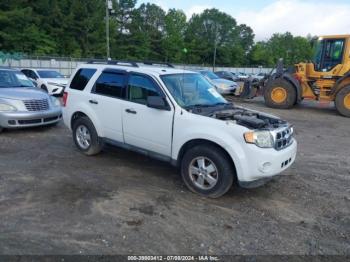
(179, 117)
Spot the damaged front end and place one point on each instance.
(248, 118)
(266, 131)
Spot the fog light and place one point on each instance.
(12, 122)
(265, 167)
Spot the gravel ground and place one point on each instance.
(54, 200)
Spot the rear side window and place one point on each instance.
(81, 78)
(111, 83)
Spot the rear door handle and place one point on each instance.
(131, 111)
(93, 102)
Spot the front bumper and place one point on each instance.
(260, 164)
(30, 119)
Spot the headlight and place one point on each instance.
(55, 101)
(54, 84)
(262, 139)
(7, 108)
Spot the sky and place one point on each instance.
(265, 17)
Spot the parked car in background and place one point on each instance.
(227, 75)
(24, 105)
(176, 116)
(242, 76)
(259, 76)
(224, 86)
(49, 80)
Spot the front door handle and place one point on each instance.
(93, 102)
(131, 111)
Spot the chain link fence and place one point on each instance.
(66, 65)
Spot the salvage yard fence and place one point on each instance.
(66, 65)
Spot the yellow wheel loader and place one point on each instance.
(325, 79)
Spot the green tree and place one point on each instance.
(213, 28)
(291, 49)
(173, 40)
(151, 19)
(20, 33)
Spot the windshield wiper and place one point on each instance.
(197, 105)
(221, 104)
(208, 105)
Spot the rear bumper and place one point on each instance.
(30, 119)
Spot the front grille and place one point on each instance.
(283, 138)
(36, 105)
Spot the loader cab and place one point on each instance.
(328, 53)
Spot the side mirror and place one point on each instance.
(157, 102)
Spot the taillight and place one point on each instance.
(64, 98)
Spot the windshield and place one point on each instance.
(210, 74)
(191, 89)
(328, 53)
(9, 79)
(49, 74)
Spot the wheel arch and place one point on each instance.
(194, 142)
(340, 84)
(75, 116)
(295, 84)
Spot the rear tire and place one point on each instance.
(342, 101)
(84, 130)
(280, 94)
(216, 161)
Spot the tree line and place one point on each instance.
(76, 28)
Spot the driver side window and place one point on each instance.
(140, 88)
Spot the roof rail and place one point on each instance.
(114, 62)
(153, 63)
(130, 63)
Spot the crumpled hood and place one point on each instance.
(61, 81)
(22, 93)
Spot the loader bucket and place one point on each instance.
(249, 89)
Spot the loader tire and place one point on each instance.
(280, 94)
(342, 101)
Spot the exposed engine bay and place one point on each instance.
(242, 116)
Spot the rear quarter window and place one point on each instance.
(81, 78)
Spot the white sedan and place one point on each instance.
(47, 79)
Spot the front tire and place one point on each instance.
(280, 94)
(342, 101)
(207, 170)
(85, 137)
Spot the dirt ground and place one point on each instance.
(54, 200)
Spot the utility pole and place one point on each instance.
(109, 7)
(215, 46)
(214, 59)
